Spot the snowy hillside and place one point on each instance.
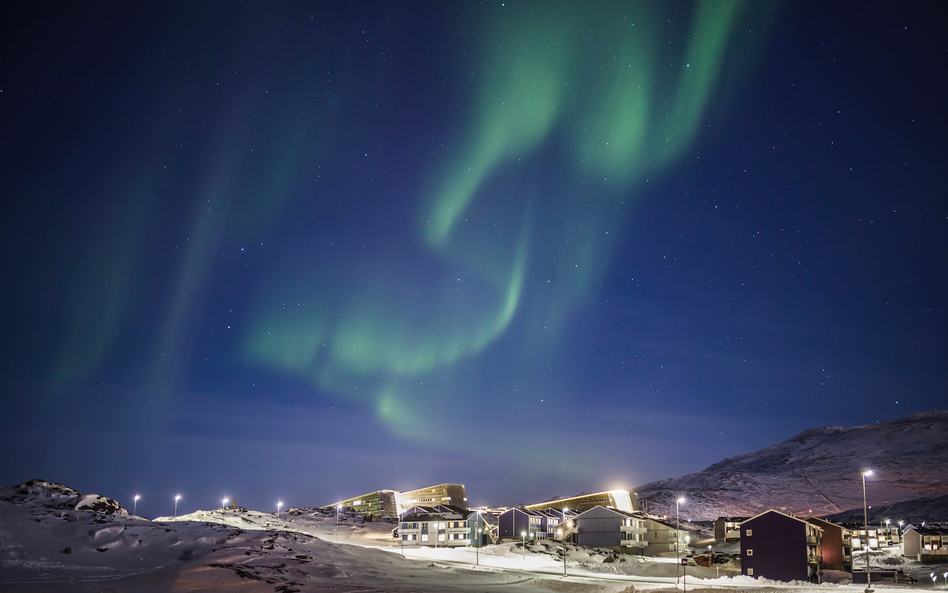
(818, 471)
(52, 539)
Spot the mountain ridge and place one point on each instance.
(818, 471)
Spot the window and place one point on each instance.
(750, 572)
(424, 537)
(748, 532)
(750, 552)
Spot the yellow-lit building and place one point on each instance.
(621, 500)
(393, 503)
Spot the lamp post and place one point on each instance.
(865, 518)
(336, 531)
(565, 510)
(135, 505)
(678, 537)
(477, 532)
(279, 506)
(177, 497)
(523, 547)
(224, 503)
(559, 532)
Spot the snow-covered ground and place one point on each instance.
(52, 540)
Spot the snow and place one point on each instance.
(50, 540)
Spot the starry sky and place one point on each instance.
(307, 250)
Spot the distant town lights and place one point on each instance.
(177, 497)
(135, 505)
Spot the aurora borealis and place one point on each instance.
(311, 250)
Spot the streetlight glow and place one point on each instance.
(224, 503)
(279, 506)
(177, 497)
(135, 505)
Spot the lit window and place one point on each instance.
(424, 537)
(748, 532)
(750, 572)
(750, 552)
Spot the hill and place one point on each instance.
(819, 471)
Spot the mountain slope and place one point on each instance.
(818, 471)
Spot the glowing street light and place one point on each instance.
(865, 517)
(279, 506)
(523, 546)
(135, 505)
(336, 531)
(177, 497)
(678, 504)
(224, 503)
(477, 534)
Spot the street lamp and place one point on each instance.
(135, 505)
(224, 503)
(865, 518)
(477, 534)
(565, 509)
(177, 497)
(523, 546)
(559, 533)
(678, 504)
(336, 533)
(279, 506)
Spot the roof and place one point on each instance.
(758, 515)
(934, 530)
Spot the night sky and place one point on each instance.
(307, 250)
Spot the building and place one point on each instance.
(376, 504)
(926, 544)
(622, 500)
(448, 527)
(513, 523)
(837, 545)
(663, 537)
(601, 527)
(393, 503)
(446, 494)
(728, 529)
(777, 546)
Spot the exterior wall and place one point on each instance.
(837, 548)
(512, 523)
(373, 504)
(727, 529)
(911, 543)
(606, 528)
(777, 546)
(622, 500)
(449, 494)
(661, 538)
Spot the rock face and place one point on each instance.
(819, 471)
(53, 495)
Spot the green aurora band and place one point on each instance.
(612, 87)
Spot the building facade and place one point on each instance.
(777, 546)
(728, 529)
(601, 527)
(837, 545)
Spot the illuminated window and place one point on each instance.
(750, 552)
(750, 572)
(424, 537)
(748, 532)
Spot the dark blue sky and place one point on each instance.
(306, 251)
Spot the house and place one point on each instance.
(861, 534)
(601, 527)
(450, 527)
(777, 546)
(513, 523)
(663, 537)
(926, 544)
(728, 529)
(837, 545)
